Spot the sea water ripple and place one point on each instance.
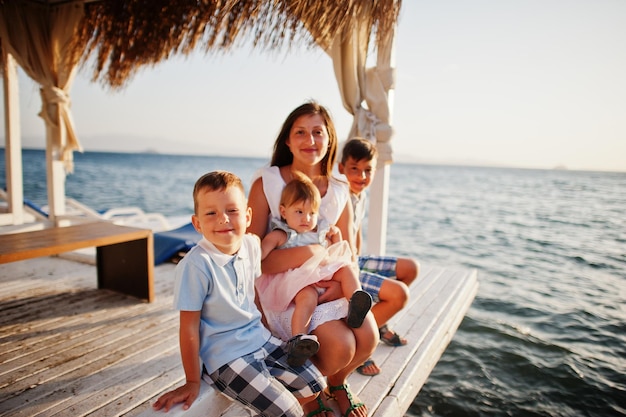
(546, 334)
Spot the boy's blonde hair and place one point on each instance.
(300, 188)
(358, 149)
(215, 181)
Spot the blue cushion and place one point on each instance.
(170, 243)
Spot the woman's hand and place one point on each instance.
(333, 291)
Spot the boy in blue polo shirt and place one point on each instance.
(385, 278)
(219, 321)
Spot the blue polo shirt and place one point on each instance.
(221, 286)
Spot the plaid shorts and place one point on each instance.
(374, 270)
(263, 382)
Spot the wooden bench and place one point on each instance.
(124, 255)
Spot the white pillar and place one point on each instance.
(379, 190)
(13, 144)
(377, 215)
(55, 173)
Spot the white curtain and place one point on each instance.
(370, 86)
(40, 39)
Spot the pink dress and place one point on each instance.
(278, 290)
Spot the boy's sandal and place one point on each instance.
(367, 364)
(300, 348)
(393, 340)
(321, 408)
(346, 388)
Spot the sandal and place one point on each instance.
(300, 348)
(393, 340)
(360, 305)
(346, 388)
(321, 408)
(367, 364)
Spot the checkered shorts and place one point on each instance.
(374, 270)
(263, 382)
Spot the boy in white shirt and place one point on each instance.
(385, 278)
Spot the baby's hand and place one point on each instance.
(187, 394)
(333, 235)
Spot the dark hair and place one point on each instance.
(358, 149)
(300, 189)
(282, 156)
(215, 181)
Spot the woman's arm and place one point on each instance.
(358, 242)
(260, 209)
(345, 224)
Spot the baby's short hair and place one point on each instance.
(358, 149)
(300, 188)
(215, 181)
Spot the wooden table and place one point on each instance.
(124, 255)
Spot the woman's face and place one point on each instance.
(308, 139)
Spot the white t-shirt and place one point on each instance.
(333, 203)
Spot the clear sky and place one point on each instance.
(523, 83)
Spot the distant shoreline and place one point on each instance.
(403, 161)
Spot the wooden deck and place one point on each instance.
(67, 348)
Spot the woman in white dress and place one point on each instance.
(307, 143)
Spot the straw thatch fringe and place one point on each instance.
(122, 36)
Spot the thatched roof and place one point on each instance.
(124, 35)
(49, 39)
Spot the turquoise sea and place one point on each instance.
(546, 334)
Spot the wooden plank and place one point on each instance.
(95, 391)
(146, 328)
(94, 334)
(28, 349)
(35, 272)
(112, 313)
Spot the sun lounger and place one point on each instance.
(77, 212)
